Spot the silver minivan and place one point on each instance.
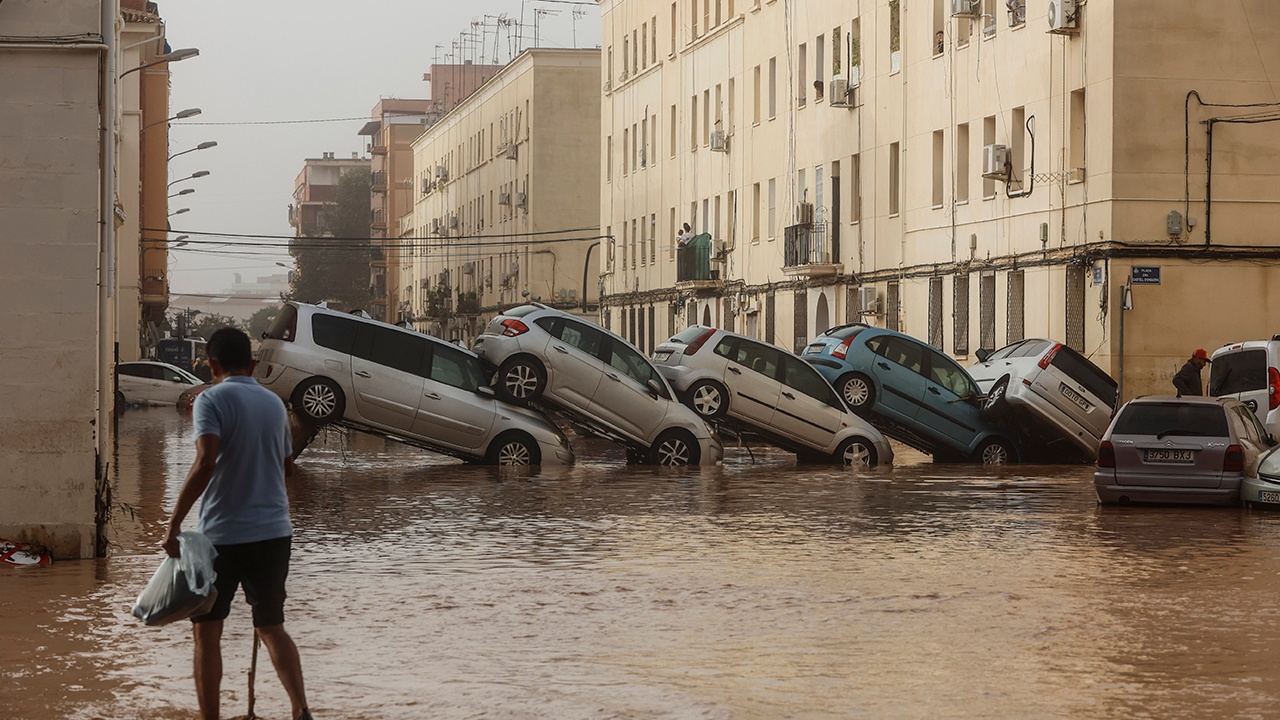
(1250, 372)
(337, 367)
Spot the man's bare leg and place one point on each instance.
(208, 666)
(284, 656)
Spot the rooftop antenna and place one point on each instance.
(538, 13)
(577, 13)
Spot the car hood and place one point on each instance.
(1269, 465)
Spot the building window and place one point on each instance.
(671, 132)
(693, 122)
(938, 162)
(1017, 144)
(937, 34)
(755, 95)
(626, 145)
(988, 18)
(894, 185)
(773, 88)
(728, 128)
(773, 207)
(674, 24)
(855, 188)
(1076, 141)
(891, 310)
(1016, 308)
(653, 237)
(608, 159)
(802, 74)
(988, 139)
(706, 116)
(960, 313)
(935, 312)
(755, 212)
(962, 162)
(987, 311)
(895, 36)
(671, 235)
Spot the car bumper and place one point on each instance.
(1111, 492)
(711, 451)
(493, 349)
(555, 454)
(1252, 491)
(1020, 395)
(679, 376)
(884, 452)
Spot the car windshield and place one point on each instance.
(688, 335)
(1166, 419)
(1238, 372)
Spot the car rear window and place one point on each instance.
(1078, 368)
(285, 326)
(1172, 419)
(1238, 372)
(1031, 348)
(688, 335)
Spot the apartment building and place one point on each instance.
(968, 171)
(508, 197)
(315, 188)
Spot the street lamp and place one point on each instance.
(175, 56)
(202, 146)
(182, 115)
(184, 191)
(196, 174)
(179, 211)
(179, 241)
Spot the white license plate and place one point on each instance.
(812, 350)
(661, 357)
(1269, 496)
(1074, 397)
(1168, 456)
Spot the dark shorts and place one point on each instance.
(261, 568)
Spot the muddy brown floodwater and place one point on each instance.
(423, 588)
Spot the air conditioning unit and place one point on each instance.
(719, 141)
(468, 268)
(842, 94)
(804, 214)
(1063, 16)
(573, 294)
(426, 186)
(442, 173)
(608, 85)
(564, 294)
(520, 200)
(966, 8)
(435, 226)
(868, 301)
(644, 157)
(504, 198)
(511, 151)
(453, 222)
(995, 161)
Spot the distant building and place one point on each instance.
(315, 187)
(499, 182)
(238, 302)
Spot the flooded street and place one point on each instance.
(423, 588)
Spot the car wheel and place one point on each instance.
(709, 399)
(995, 402)
(121, 403)
(521, 379)
(995, 451)
(857, 391)
(320, 400)
(517, 450)
(856, 451)
(674, 448)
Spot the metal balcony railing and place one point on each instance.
(693, 260)
(805, 245)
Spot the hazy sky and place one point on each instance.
(303, 60)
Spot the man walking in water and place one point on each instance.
(243, 451)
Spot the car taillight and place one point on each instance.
(1233, 460)
(842, 349)
(512, 327)
(1048, 357)
(1273, 388)
(1106, 455)
(698, 342)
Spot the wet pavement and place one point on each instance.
(424, 588)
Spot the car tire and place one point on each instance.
(514, 450)
(856, 451)
(708, 398)
(121, 403)
(858, 392)
(320, 400)
(995, 402)
(675, 448)
(521, 380)
(995, 451)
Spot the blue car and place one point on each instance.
(912, 392)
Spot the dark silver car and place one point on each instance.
(1179, 450)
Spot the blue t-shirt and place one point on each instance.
(246, 500)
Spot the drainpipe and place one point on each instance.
(586, 265)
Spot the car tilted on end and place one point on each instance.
(337, 367)
(1166, 449)
(599, 379)
(725, 376)
(911, 391)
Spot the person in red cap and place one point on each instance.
(1187, 381)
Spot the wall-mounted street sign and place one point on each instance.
(1145, 275)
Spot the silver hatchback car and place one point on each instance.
(336, 367)
(599, 379)
(722, 375)
(1048, 389)
(1168, 449)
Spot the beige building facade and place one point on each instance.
(969, 180)
(507, 189)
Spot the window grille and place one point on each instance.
(935, 312)
(801, 321)
(1075, 307)
(770, 313)
(1017, 307)
(987, 311)
(960, 313)
(891, 309)
(851, 309)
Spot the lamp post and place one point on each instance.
(175, 56)
(196, 174)
(184, 191)
(182, 115)
(202, 146)
(179, 211)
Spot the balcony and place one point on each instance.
(378, 181)
(377, 220)
(377, 148)
(468, 303)
(806, 252)
(693, 266)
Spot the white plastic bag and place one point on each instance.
(183, 586)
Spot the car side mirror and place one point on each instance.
(982, 354)
(655, 389)
(486, 391)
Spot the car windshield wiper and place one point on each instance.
(1176, 431)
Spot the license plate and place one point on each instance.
(812, 350)
(1268, 496)
(1168, 456)
(661, 357)
(1074, 397)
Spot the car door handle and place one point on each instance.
(612, 377)
(883, 365)
(560, 349)
(363, 374)
(432, 396)
(788, 395)
(934, 390)
(735, 371)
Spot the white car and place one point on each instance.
(338, 367)
(1057, 389)
(599, 379)
(153, 382)
(1250, 372)
(769, 391)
